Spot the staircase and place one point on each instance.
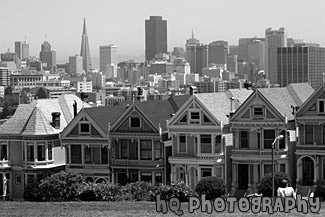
(239, 194)
(303, 190)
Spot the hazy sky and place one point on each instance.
(122, 22)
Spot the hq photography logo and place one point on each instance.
(255, 205)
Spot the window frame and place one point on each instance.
(130, 122)
(262, 111)
(194, 120)
(312, 133)
(268, 139)
(144, 150)
(43, 152)
(179, 144)
(241, 139)
(204, 145)
(73, 152)
(4, 143)
(319, 101)
(89, 128)
(32, 152)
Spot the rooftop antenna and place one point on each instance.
(45, 37)
(192, 33)
(25, 40)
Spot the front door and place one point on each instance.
(308, 171)
(242, 176)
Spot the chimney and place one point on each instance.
(56, 120)
(232, 105)
(75, 109)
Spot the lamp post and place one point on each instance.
(273, 143)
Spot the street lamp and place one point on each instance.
(273, 143)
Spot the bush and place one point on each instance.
(61, 186)
(32, 191)
(99, 192)
(141, 191)
(176, 189)
(265, 187)
(320, 192)
(212, 187)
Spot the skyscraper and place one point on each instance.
(301, 64)
(22, 50)
(218, 51)
(156, 36)
(48, 56)
(108, 60)
(75, 65)
(85, 51)
(273, 40)
(198, 57)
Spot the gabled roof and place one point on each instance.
(311, 98)
(178, 101)
(284, 97)
(35, 118)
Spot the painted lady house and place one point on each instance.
(121, 143)
(201, 138)
(29, 142)
(265, 115)
(310, 150)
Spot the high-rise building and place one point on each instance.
(256, 52)
(190, 45)
(108, 60)
(242, 49)
(198, 58)
(4, 76)
(75, 65)
(232, 63)
(273, 40)
(22, 50)
(85, 51)
(301, 64)
(48, 56)
(156, 36)
(218, 52)
(233, 50)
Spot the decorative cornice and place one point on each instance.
(257, 124)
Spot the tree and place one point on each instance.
(212, 187)
(8, 91)
(41, 93)
(265, 187)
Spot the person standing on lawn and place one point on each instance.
(285, 191)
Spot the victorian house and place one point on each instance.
(121, 143)
(29, 142)
(201, 138)
(310, 150)
(258, 123)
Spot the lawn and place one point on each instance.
(106, 209)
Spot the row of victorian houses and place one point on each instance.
(227, 134)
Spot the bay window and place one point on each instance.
(30, 151)
(269, 136)
(206, 145)
(146, 149)
(76, 154)
(40, 151)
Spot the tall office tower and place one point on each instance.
(233, 49)
(190, 45)
(48, 56)
(198, 58)
(75, 65)
(232, 64)
(22, 50)
(300, 64)
(273, 40)
(108, 60)
(218, 51)
(242, 49)
(156, 36)
(85, 51)
(4, 76)
(256, 52)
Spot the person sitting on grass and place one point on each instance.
(285, 191)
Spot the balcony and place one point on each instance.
(208, 156)
(266, 153)
(88, 167)
(37, 163)
(310, 148)
(127, 162)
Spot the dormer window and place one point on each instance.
(135, 122)
(321, 108)
(195, 118)
(258, 111)
(84, 128)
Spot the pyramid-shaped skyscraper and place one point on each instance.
(85, 51)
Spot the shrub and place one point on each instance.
(61, 186)
(32, 191)
(141, 191)
(176, 189)
(265, 186)
(99, 192)
(212, 187)
(320, 192)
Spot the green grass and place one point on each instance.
(106, 209)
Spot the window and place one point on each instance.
(206, 172)
(146, 150)
(84, 128)
(4, 152)
(282, 142)
(217, 144)
(182, 144)
(49, 150)
(135, 122)
(195, 118)
(243, 139)
(124, 148)
(206, 146)
(76, 154)
(267, 169)
(147, 177)
(40, 151)
(323, 134)
(269, 136)
(133, 175)
(158, 178)
(321, 106)
(206, 119)
(158, 150)
(87, 153)
(104, 155)
(30, 151)
(184, 119)
(218, 172)
(258, 111)
(258, 140)
(282, 168)
(309, 134)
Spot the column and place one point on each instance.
(153, 181)
(198, 144)
(35, 151)
(69, 147)
(213, 141)
(82, 154)
(152, 150)
(46, 152)
(198, 173)
(139, 151)
(113, 178)
(316, 172)
(25, 148)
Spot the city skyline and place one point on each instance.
(123, 22)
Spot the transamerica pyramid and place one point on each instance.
(85, 51)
